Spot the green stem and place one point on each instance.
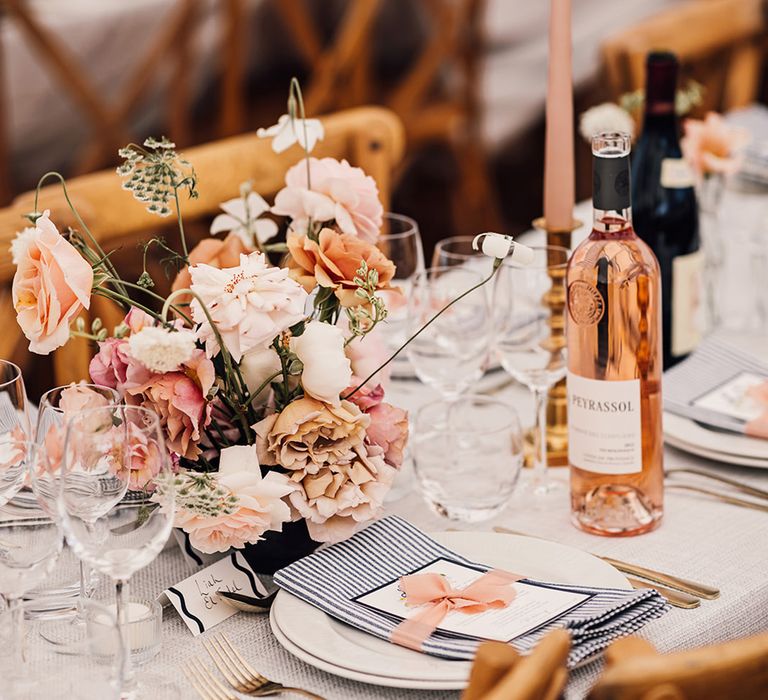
(181, 224)
(157, 297)
(267, 382)
(81, 223)
(496, 264)
(128, 302)
(295, 92)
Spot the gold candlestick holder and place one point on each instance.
(557, 405)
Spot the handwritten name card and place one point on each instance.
(196, 598)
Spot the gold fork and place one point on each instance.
(241, 676)
(203, 681)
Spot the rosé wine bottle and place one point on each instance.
(613, 328)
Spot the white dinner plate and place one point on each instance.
(689, 436)
(332, 646)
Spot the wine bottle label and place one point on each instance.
(676, 174)
(610, 183)
(687, 302)
(604, 427)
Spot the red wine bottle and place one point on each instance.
(665, 212)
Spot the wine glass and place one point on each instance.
(524, 342)
(55, 408)
(458, 250)
(14, 429)
(29, 544)
(400, 241)
(36, 669)
(467, 456)
(451, 350)
(108, 451)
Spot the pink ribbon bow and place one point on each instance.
(491, 590)
(758, 427)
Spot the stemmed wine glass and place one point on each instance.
(400, 241)
(56, 407)
(107, 451)
(449, 354)
(14, 428)
(29, 545)
(524, 341)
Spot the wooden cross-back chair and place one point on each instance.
(109, 118)
(437, 97)
(369, 137)
(720, 43)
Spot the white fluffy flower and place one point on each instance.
(605, 117)
(250, 304)
(306, 132)
(241, 217)
(327, 370)
(161, 349)
(21, 243)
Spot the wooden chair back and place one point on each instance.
(636, 671)
(172, 48)
(720, 43)
(369, 137)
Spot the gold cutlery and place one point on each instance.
(687, 586)
(241, 676)
(725, 498)
(248, 603)
(676, 598)
(744, 488)
(202, 680)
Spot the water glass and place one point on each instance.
(37, 668)
(400, 241)
(451, 314)
(14, 429)
(524, 341)
(467, 456)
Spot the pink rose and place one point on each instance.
(144, 459)
(109, 366)
(366, 354)
(365, 398)
(709, 146)
(389, 430)
(52, 285)
(178, 398)
(339, 192)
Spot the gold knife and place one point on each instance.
(687, 586)
(673, 597)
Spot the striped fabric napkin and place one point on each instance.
(715, 364)
(331, 578)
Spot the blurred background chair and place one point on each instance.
(371, 138)
(636, 671)
(720, 44)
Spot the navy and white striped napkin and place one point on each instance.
(714, 364)
(331, 578)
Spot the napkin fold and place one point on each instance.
(332, 578)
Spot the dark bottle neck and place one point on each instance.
(611, 200)
(661, 86)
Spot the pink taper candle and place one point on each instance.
(559, 195)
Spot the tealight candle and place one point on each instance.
(143, 622)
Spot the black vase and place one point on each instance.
(278, 549)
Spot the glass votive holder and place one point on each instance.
(143, 629)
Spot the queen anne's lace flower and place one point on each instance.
(250, 304)
(161, 349)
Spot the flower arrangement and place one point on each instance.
(260, 374)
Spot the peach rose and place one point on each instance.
(333, 261)
(214, 252)
(709, 146)
(52, 285)
(341, 481)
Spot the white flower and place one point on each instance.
(241, 217)
(250, 304)
(20, 244)
(605, 117)
(260, 505)
(161, 349)
(256, 367)
(499, 245)
(287, 131)
(327, 370)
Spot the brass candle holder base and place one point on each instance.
(557, 406)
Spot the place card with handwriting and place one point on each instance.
(196, 598)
